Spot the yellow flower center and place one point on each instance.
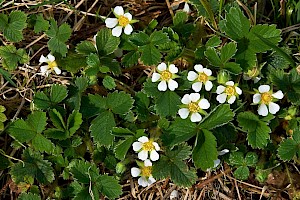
(123, 21)
(52, 65)
(202, 77)
(266, 98)
(194, 107)
(166, 75)
(146, 171)
(230, 90)
(148, 146)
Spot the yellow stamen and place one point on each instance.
(146, 171)
(123, 21)
(266, 98)
(166, 75)
(194, 107)
(202, 77)
(230, 90)
(148, 146)
(52, 64)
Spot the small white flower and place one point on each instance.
(52, 65)
(165, 76)
(193, 106)
(145, 173)
(202, 77)
(123, 20)
(229, 93)
(265, 97)
(145, 146)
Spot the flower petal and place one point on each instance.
(231, 99)
(186, 8)
(216, 163)
(192, 76)
(183, 113)
(224, 151)
(43, 59)
(263, 110)
(135, 172)
(154, 156)
(117, 31)
(162, 86)
(238, 90)
(157, 148)
(198, 68)
(204, 104)
(143, 139)
(186, 99)
(230, 83)
(173, 69)
(51, 57)
(278, 94)
(162, 67)
(256, 98)
(151, 180)
(143, 155)
(155, 77)
(196, 117)
(220, 89)
(119, 10)
(197, 86)
(44, 68)
(142, 181)
(137, 146)
(273, 107)
(194, 97)
(111, 22)
(221, 98)
(57, 70)
(172, 84)
(208, 72)
(264, 88)
(128, 15)
(208, 85)
(128, 29)
(147, 163)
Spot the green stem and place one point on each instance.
(210, 13)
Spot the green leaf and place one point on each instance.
(142, 103)
(119, 102)
(228, 51)
(213, 41)
(180, 18)
(258, 131)
(180, 131)
(219, 116)
(109, 186)
(40, 143)
(98, 101)
(122, 148)
(29, 196)
(245, 56)
(290, 147)
(151, 90)
(74, 122)
(33, 166)
(167, 104)
(130, 59)
(40, 24)
(122, 132)
(251, 159)
(159, 37)
(242, 173)
(205, 150)
(150, 55)
(12, 26)
(86, 48)
(235, 25)
(11, 56)
(213, 57)
(37, 120)
(109, 82)
(73, 62)
(106, 42)
(58, 93)
(58, 37)
(233, 67)
(101, 128)
(7, 76)
(139, 39)
(236, 158)
(83, 171)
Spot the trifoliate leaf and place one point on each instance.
(11, 56)
(122, 147)
(58, 37)
(180, 131)
(258, 131)
(40, 24)
(167, 104)
(13, 25)
(235, 24)
(139, 39)
(101, 128)
(86, 48)
(33, 166)
(205, 150)
(242, 173)
(159, 37)
(109, 82)
(106, 42)
(289, 148)
(150, 54)
(221, 115)
(108, 186)
(119, 102)
(29, 196)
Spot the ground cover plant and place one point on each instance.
(149, 99)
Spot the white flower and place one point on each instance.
(145, 173)
(265, 97)
(123, 20)
(220, 153)
(52, 65)
(144, 146)
(165, 76)
(193, 106)
(202, 77)
(229, 93)
(186, 7)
